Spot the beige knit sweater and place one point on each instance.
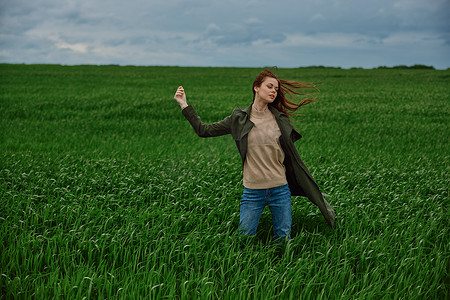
(263, 166)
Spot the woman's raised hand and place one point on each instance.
(180, 96)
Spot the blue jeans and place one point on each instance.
(253, 202)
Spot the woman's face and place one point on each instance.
(268, 90)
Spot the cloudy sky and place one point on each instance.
(250, 33)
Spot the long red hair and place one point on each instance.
(286, 87)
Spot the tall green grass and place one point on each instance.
(106, 191)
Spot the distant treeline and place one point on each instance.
(380, 67)
(417, 66)
(406, 67)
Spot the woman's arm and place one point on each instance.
(206, 130)
(203, 130)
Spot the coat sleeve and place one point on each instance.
(206, 130)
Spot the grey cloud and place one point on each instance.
(244, 33)
(446, 38)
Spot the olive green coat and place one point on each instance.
(238, 124)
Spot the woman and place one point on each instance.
(272, 167)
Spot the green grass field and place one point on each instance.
(106, 191)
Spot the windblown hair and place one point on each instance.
(286, 87)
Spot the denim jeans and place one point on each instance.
(253, 202)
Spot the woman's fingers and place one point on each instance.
(179, 93)
(180, 97)
(180, 90)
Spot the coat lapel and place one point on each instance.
(247, 124)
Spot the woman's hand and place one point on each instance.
(180, 97)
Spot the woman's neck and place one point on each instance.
(259, 106)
